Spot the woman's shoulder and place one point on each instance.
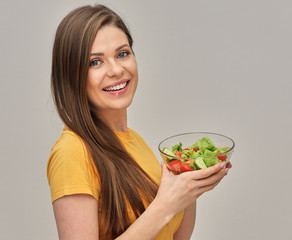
(69, 168)
(134, 134)
(69, 140)
(69, 146)
(137, 137)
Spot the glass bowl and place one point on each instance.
(193, 157)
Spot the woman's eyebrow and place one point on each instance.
(117, 49)
(120, 47)
(96, 54)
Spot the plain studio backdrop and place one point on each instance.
(218, 66)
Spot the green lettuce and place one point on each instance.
(204, 144)
(177, 147)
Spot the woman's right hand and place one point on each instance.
(176, 192)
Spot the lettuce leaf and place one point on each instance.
(205, 144)
(177, 147)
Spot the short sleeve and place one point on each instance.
(70, 168)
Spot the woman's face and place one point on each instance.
(113, 75)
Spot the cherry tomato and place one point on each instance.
(175, 166)
(222, 157)
(185, 167)
(178, 153)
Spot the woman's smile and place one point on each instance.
(117, 88)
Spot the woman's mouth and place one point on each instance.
(116, 87)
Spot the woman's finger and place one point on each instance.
(216, 177)
(164, 169)
(229, 165)
(207, 188)
(207, 172)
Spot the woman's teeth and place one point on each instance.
(117, 87)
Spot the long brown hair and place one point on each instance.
(122, 180)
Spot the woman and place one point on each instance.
(105, 181)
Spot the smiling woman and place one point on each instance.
(105, 181)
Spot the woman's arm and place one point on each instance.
(77, 219)
(185, 230)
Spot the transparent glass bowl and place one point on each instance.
(188, 139)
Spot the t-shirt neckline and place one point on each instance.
(124, 135)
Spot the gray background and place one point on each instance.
(220, 66)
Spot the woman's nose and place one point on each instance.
(115, 69)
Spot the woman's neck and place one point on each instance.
(115, 119)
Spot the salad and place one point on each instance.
(198, 156)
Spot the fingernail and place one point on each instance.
(222, 165)
(226, 171)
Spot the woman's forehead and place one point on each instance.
(108, 38)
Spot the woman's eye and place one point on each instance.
(123, 54)
(95, 62)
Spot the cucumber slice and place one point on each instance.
(200, 164)
(168, 152)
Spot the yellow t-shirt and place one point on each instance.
(70, 171)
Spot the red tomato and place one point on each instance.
(175, 166)
(195, 149)
(187, 152)
(178, 153)
(185, 166)
(222, 157)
